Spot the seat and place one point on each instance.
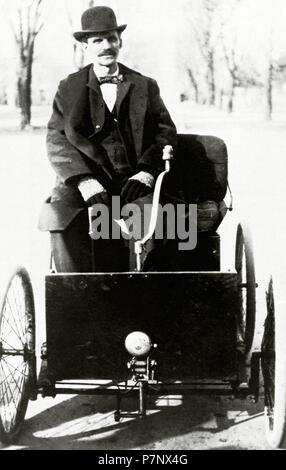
(200, 169)
(202, 163)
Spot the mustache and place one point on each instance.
(108, 52)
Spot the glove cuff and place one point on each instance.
(145, 178)
(89, 187)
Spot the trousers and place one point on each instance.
(72, 250)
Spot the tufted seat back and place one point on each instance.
(201, 163)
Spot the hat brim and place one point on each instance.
(80, 35)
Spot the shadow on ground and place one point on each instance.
(83, 423)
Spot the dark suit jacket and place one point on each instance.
(77, 118)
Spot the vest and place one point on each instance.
(118, 156)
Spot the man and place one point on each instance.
(105, 137)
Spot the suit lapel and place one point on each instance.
(78, 113)
(85, 95)
(122, 91)
(82, 91)
(97, 108)
(135, 85)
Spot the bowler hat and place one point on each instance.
(98, 20)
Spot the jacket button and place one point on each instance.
(97, 127)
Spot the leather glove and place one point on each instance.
(137, 186)
(93, 192)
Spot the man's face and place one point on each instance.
(103, 48)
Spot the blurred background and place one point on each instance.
(226, 54)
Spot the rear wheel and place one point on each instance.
(244, 265)
(17, 354)
(273, 364)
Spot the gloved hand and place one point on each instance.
(93, 192)
(137, 186)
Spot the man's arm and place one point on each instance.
(66, 160)
(164, 132)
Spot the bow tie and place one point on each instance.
(111, 79)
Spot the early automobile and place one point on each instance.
(187, 328)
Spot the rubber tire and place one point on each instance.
(244, 240)
(28, 389)
(273, 348)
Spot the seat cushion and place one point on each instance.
(210, 215)
(201, 167)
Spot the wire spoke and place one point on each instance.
(16, 305)
(18, 319)
(13, 409)
(3, 387)
(9, 345)
(11, 327)
(14, 367)
(6, 402)
(21, 301)
(16, 333)
(19, 334)
(12, 374)
(4, 361)
(4, 328)
(11, 393)
(22, 373)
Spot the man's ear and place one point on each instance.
(83, 45)
(120, 42)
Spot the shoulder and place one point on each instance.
(137, 75)
(80, 75)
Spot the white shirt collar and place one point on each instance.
(98, 74)
(109, 90)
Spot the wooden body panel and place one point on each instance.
(190, 315)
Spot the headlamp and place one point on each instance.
(138, 344)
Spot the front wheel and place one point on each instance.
(273, 364)
(17, 354)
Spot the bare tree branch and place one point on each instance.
(16, 37)
(37, 16)
(28, 23)
(69, 16)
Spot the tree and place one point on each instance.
(232, 66)
(272, 72)
(265, 42)
(201, 20)
(194, 83)
(26, 26)
(207, 37)
(230, 48)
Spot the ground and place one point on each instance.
(257, 170)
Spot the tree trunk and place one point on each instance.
(269, 90)
(221, 96)
(24, 85)
(211, 78)
(195, 85)
(231, 96)
(78, 56)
